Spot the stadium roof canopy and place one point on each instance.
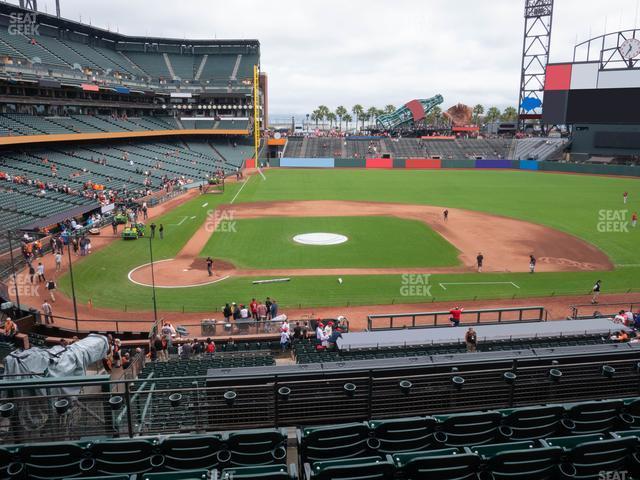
(46, 19)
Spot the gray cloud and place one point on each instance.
(372, 52)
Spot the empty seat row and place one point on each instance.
(145, 455)
(384, 437)
(582, 457)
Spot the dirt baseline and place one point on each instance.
(506, 243)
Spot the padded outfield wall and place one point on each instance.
(434, 163)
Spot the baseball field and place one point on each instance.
(399, 248)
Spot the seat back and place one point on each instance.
(366, 468)
(532, 423)
(191, 452)
(444, 464)
(63, 458)
(257, 447)
(404, 434)
(266, 472)
(529, 464)
(591, 458)
(595, 417)
(471, 429)
(334, 442)
(183, 475)
(117, 457)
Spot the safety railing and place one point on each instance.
(69, 409)
(433, 319)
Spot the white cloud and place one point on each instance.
(372, 52)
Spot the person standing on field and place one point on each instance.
(625, 196)
(596, 291)
(210, 266)
(532, 264)
(480, 261)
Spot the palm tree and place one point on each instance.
(372, 113)
(323, 110)
(510, 114)
(332, 118)
(357, 111)
(477, 111)
(315, 116)
(493, 114)
(341, 112)
(389, 109)
(364, 118)
(347, 118)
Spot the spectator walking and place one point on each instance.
(48, 313)
(114, 226)
(40, 272)
(51, 288)
(58, 261)
(32, 273)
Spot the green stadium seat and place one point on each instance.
(265, 472)
(593, 417)
(53, 460)
(334, 442)
(257, 447)
(117, 457)
(183, 475)
(632, 412)
(444, 464)
(191, 451)
(468, 429)
(532, 423)
(520, 461)
(366, 468)
(110, 477)
(589, 458)
(404, 434)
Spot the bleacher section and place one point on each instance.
(118, 166)
(445, 149)
(537, 148)
(77, 57)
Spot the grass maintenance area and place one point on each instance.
(588, 207)
(372, 242)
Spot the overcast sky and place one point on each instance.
(372, 52)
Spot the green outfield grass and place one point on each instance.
(571, 203)
(373, 242)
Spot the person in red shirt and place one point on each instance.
(456, 313)
(634, 219)
(625, 196)
(254, 308)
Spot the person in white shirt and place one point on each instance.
(620, 317)
(244, 312)
(58, 262)
(319, 332)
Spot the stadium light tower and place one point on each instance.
(538, 17)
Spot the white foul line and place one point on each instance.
(181, 221)
(205, 204)
(476, 283)
(261, 174)
(238, 192)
